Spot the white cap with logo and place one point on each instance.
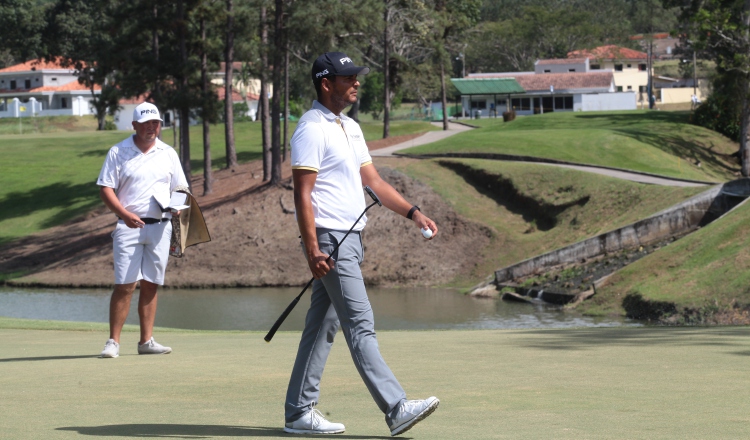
(146, 112)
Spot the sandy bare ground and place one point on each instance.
(255, 240)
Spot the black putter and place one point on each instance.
(294, 302)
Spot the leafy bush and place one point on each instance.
(716, 114)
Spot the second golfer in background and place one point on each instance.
(330, 165)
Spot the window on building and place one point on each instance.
(54, 79)
(595, 67)
(619, 88)
(563, 103)
(629, 66)
(618, 67)
(642, 89)
(63, 102)
(27, 84)
(479, 104)
(642, 67)
(630, 87)
(12, 84)
(547, 71)
(521, 104)
(571, 70)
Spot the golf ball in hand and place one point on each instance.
(427, 232)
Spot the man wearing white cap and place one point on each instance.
(136, 180)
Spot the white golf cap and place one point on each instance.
(146, 112)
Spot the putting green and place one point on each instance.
(593, 383)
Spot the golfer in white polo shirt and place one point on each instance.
(138, 175)
(330, 165)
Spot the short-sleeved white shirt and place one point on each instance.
(321, 144)
(139, 180)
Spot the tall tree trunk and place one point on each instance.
(443, 95)
(228, 86)
(156, 92)
(207, 172)
(278, 45)
(265, 113)
(386, 72)
(285, 145)
(745, 129)
(183, 86)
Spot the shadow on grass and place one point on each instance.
(194, 431)
(504, 193)
(584, 339)
(72, 200)
(46, 358)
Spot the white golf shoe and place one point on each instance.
(153, 347)
(411, 412)
(111, 349)
(313, 422)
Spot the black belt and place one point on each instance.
(151, 221)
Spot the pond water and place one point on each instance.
(258, 309)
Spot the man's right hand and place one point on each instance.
(132, 221)
(320, 264)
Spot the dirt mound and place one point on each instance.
(255, 241)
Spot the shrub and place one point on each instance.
(715, 114)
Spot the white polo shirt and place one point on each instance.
(140, 179)
(335, 148)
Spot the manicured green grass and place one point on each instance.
(705, 270)
(50, 178)
(655, 142)
(552, 207)
(47, 124)
(602, 383)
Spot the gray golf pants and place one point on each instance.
(339, 298)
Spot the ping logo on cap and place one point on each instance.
(152, 111)
(323, 73)
(345, 60)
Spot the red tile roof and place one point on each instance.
(610, 52)
(561, 81)
(73, 86)
(37, 64)
(562, 61)
(69, 87)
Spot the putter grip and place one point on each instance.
(286, 313)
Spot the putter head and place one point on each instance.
(373, 195)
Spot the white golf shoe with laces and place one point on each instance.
(411, 412)
(313, 422)
(111, 349)
(153, 347)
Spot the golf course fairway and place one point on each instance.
(586, 383)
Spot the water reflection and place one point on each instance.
(258, 308)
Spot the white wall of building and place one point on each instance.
(605, 101)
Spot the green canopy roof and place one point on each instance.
(487, 86)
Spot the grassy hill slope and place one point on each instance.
(701, 278)
(649, 141)
(534, 208)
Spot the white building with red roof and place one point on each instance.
(42, 88)
(555, 85)
(630, 67)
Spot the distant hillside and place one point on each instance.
(655, 142)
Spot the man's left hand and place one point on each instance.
(425, 222)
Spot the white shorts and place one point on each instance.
(141, 253)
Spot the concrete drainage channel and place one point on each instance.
(571, 274)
